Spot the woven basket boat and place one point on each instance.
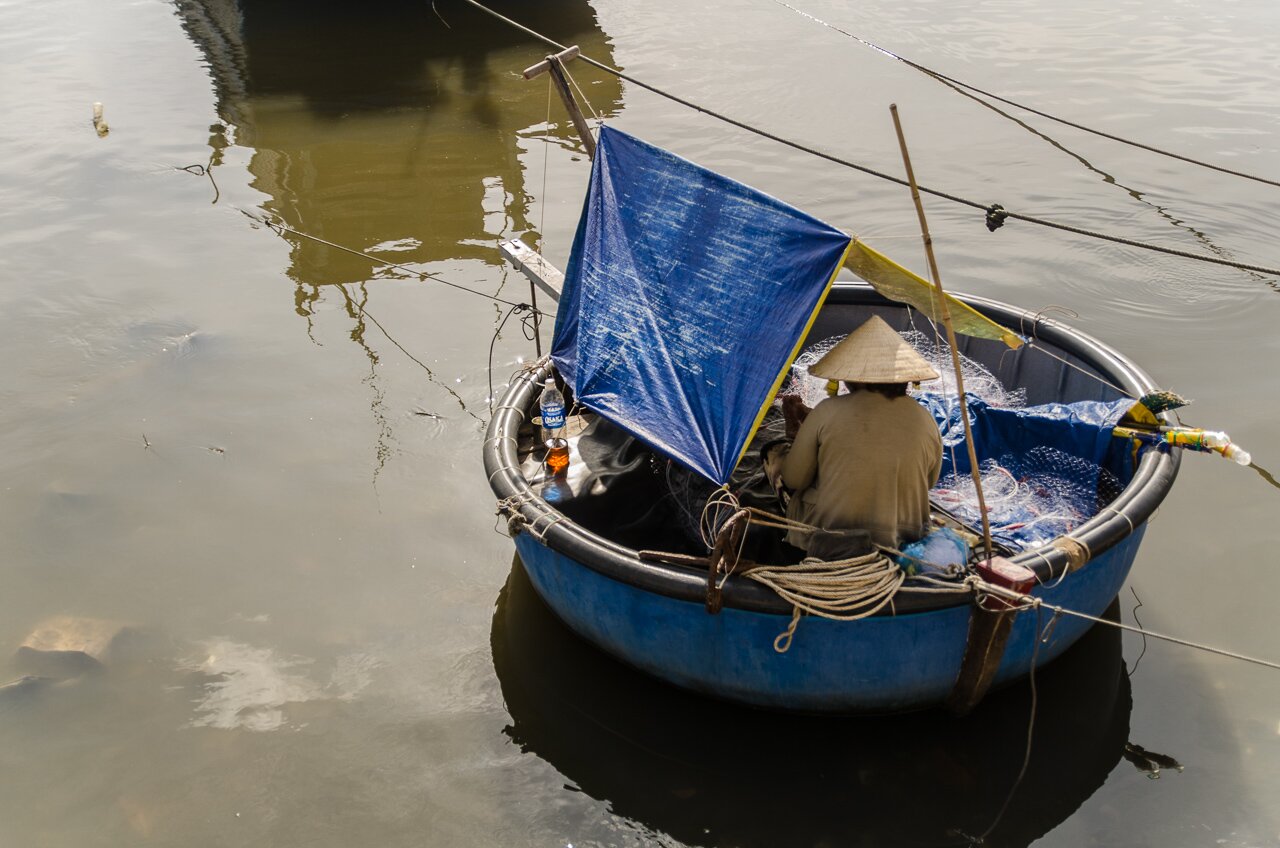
(653, 616)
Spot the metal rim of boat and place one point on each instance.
(1123, 516)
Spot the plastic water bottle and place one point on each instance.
(1237, 454)
(1221, 442)
(552, 408)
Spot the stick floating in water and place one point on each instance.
(99, 122)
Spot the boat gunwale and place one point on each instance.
(1135, 504)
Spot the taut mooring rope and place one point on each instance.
(943, 77)
(795, 145)
(1032, 602)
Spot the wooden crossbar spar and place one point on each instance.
(531, 263)
(554, 64)
(566, 55)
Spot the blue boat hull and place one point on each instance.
(881, 664)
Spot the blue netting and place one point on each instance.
(1045, 469)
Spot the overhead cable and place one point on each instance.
(795, 145)
(279, 229)
(943, 77)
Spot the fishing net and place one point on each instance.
(1031, 497)
(979, 381)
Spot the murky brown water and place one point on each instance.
(266, 451)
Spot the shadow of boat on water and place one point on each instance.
(711, 773)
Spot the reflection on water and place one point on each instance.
(399, 133)
(1265, 474)
(249, 687)
(709, 773)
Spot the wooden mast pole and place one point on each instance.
(554, 65)
(951, 333)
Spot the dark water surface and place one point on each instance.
(265, 451)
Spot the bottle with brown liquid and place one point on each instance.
(557, 457)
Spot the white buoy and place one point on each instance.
(100, 123)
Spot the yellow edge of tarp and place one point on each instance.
(1142, 415)
(795, 351)
(967, 320)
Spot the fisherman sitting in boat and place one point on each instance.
(865, 460)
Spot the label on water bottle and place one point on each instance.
(553, 416)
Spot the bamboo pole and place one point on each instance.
(951, 333)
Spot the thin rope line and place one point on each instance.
(1029, 602)
(1033, 345)
(582, 94)
(795, 145)
(431, 375)
(943, 77)
(1042, 635)
(546, 145)
(421, 275)
(1134, 612)
(519, 307)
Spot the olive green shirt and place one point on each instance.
(864, 461)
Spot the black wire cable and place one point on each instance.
(515, 308)
(943, 77)
(795, 145)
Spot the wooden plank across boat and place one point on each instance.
(652, 615)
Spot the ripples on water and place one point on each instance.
(264, 451)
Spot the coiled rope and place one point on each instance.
(795, 145)
(844, 590)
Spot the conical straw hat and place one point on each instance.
(873, 353)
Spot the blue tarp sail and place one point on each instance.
(686, 297)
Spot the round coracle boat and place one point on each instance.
(581, 538)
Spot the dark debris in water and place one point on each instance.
(1150, 762)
